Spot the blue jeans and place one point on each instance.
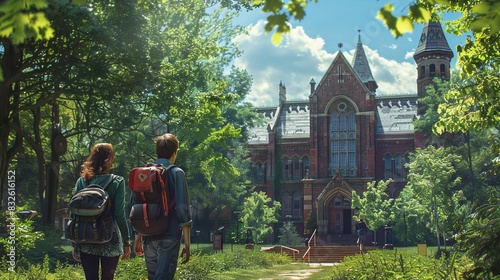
(161, 258)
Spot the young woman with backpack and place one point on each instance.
(95, 170)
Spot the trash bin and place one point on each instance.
(422, 249)
(388, 238)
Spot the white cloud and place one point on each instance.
(299, 58)
(409, 55)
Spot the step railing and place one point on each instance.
(308, 252)
(294, 251)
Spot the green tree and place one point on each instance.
(164, 72)
(289, 236)
(409, 224)
(480, 240)
(374, 206)
(260, 212)
(432, 179)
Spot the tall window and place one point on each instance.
(259, 173)
(306, 164)
(422, 71)
(387, 166)
(297, 205)
(296, 168)
(285, 204)
(286, 168)
(341, 78)
(394, 167)
(342, 139)
(398, 166)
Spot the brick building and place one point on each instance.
(312, 154)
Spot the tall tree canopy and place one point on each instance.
(124, 73)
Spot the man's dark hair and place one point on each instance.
(166, 145)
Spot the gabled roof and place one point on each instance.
(340, 56)
(360, 63)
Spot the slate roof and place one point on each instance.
(260, 134)
(395, 114)
(294, 119)
(432, 39)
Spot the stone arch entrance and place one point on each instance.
(339, 215)
(334, 208)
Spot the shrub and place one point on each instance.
(208, 267)
(386, 264)
(41, 271)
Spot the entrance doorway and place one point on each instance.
(340, 216)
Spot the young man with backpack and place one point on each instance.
(161, 251)
(361, 230)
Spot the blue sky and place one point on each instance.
(308, 50)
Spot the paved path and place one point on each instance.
(299, 274)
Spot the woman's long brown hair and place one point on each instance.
(100, 161)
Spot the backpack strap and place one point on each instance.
(164, 197)
(108, 181)
(104, 184)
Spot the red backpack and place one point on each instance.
(153, 199)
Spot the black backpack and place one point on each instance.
(91, 215)
(153, 199)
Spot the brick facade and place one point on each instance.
(314, 153)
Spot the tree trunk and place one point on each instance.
(436, 223)
(9, 65)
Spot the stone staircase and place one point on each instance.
(318, 254)
(336, 240)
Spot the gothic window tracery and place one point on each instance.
(342, 139)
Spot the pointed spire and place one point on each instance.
(282, 93)
(432, 40)
(360, 63)
(312, 83)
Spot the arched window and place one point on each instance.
(398, 166)
(432, 70)
(297, 205)
(285, 204)
(259, 173)
(296, 174)
(406, 169)
(306, 164)
(342, 139)
(442, 70)
(286, 168)
(387, 167)
(422, 71)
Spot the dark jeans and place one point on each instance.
(90, 265)
(161, 258)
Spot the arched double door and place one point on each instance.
(334, 208)
(339, 215)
